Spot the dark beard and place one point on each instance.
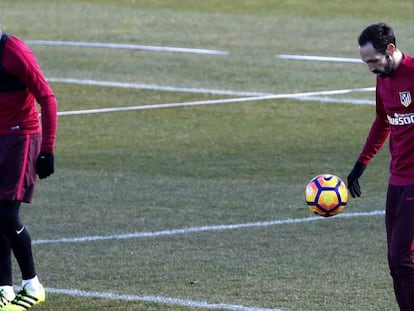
(387, 70)
(384, 75)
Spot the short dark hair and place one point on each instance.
(380, 35)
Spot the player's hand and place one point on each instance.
(353, 183)
(45, 165)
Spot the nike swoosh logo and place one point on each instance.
(20, 231)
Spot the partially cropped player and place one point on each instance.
(394, 118)
(26, 149)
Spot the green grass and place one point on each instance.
(165, 169)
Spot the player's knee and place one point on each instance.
(9, 209)
(9, 216)
(402, 267)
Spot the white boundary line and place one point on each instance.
(156, 299)
(310, 96)
(214, 101)
(326, 99)
(180, 301)
(140, 86)
(126, 46)
(320, 58)
(215, 228)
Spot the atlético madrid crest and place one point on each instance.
(405, 98)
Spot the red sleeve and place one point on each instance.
(378, 133)
(20, 60)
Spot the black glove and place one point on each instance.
(45, 165)
(353, 183)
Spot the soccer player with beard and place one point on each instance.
(26, 149)
(394, 118)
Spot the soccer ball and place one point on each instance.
(326, 195)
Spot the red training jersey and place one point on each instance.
(18, 109)
(394, 117)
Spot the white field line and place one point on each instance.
(156, 299)
(154, 87)
(326, 99)
(214, 228)
(214, 101)
(180, 301)
(320, 58)
(126, 46)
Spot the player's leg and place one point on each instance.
(17, 184)
(19, 167)
(18, 237)
(21, 245)
(9, 239)
(393, 195)
(400, 234)
(6, 280)
(10, 166)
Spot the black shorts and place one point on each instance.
(18, 155)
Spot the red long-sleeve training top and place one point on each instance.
(18, 108)
(394, 117)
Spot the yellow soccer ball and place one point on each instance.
(326, 195)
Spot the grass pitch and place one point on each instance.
(160, 170)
